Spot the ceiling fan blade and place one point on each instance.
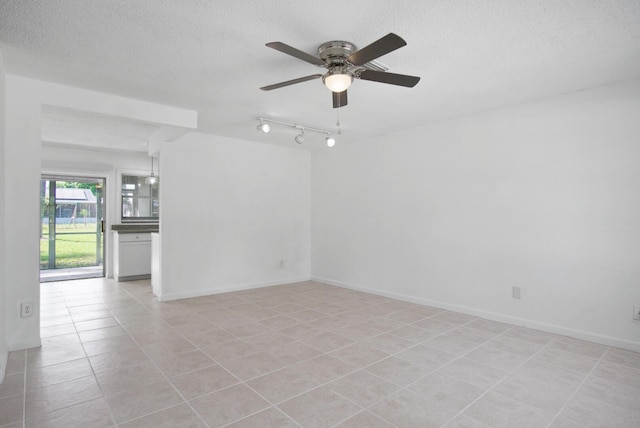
(392, 78)
(289, 50)
(380, 47)
(291, 82)
(339, 99)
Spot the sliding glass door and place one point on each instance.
(71, 227)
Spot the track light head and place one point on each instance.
(330, 141)
(264, 127)
(300, 137)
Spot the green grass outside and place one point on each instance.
(71, 250)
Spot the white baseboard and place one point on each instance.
(4, 356)
(26, 344)
(166, 297)
(494, 316)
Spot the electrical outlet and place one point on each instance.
(26, 309)
(516, 292)
(636, 312)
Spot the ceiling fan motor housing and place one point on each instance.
(336, 52)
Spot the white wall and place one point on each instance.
(3, 203)
(101, 164)
(22, 175)
(234, 214)
(24, 100)
(543, 196)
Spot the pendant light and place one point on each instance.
(152, 179)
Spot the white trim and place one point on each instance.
(25, 344)
(4, 357)
(166, 297)
(493, 316)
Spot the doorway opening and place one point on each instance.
(71, 227)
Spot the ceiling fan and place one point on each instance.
(344, 63)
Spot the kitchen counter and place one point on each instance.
(135, 228)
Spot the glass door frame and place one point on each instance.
(100, 232)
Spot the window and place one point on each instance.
(139, 199)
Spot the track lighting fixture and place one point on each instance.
(330, 141)
(265, 127)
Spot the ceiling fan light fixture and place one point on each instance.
(337, 79)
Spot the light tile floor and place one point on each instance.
(302, 355)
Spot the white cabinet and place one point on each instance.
(132, 256)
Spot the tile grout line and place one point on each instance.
(51, 365)
(364, 409)
(488, 390)
(86, 356)
(503, 379)
(559, 412)
(161, 372)
(431, 372)
(113, 418)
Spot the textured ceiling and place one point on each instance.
(472, 55)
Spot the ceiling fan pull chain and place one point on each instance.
(338, 121)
